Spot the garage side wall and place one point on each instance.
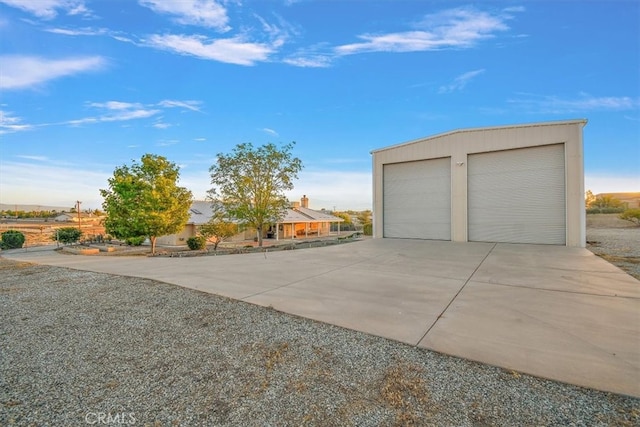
(458, 145)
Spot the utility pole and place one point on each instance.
(78, 210)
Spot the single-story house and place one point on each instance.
(298, 221)
(73, 217)
(515, 184)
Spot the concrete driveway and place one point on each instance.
(553, 312)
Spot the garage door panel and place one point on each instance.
(417, 199)
(517, 196)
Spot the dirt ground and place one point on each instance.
(607, 221)
(42, 233)
(615, 240)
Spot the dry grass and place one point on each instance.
(608, 221)
(405, 390)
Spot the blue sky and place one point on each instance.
(86, 86)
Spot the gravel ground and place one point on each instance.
(619, 246)
(81, 348)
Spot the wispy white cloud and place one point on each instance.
(10, 123)
(583, 102)
(204, 13)
(22, 72)
(189, 105)
(118, 117)
(86, 31)
(200, 139)
(48, 9)
(269, 131)
(116, 105)
(461, 27)
(313, 61)
(109, 111)
(114, 111)
(461, 81)
(36, 158)
(233, 50)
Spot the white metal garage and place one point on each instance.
(516, 184)
(517, 196)
(418, 204)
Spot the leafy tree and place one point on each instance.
(12, 239)
(345, 216)
(632, 215)
(250, 183)
(218, 229)
(67, 235)
(364, 217)
(346, 225)
(606, 201)
(144, 199)
(589, 199)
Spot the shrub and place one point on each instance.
(12, 239)
(196, 243)
(135, 240)
(632, 215)
(367, 229)
(604, 210)
(67, 235)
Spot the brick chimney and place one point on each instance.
(304, 202)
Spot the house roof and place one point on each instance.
(201, 212)
(308, 215)
(75, 215)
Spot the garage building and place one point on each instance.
(512, 184)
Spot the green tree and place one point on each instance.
(144, 199)
(250, 183)
(589, 198)
(632, 215)
(12, 239)
(364, 217)
(218, 229)
(67, 235)
(606, 201)
(345, 216)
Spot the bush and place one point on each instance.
(135, 241)
(196, 243)
(367, 229)
(12, 239)
(604, 210)
(632, 215)
(67, 235)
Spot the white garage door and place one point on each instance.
(517, 196)
(417, 199)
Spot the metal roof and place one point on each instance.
(453, 132)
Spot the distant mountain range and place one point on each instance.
(31, 208)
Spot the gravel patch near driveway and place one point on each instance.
(77, 346)
(619, 246)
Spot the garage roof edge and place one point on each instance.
(464, 130)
